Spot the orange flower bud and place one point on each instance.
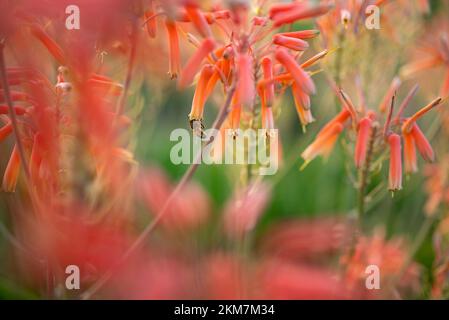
(395, 172)
(323, 144)
(423, 145)
(199, 99)
(199, 20)
(194, 64)
(410, 161)
(290, 43)
(299, 75)
(363, 137)
(299, 13)
(267, 66)
(174, 53)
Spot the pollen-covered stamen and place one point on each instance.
(301, 77)
(408, 124)
(290, 43)
(173, 48)
(345, 17)
(395, 170)
(194, 64)
(199, 99)
(363, 137)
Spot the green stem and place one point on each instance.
(364, 175)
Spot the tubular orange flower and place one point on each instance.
(298, 13)
(199, 20)
(20, 111)
(218, 68)
(192, 66)
(174, 53)
(199, 99)
(423, 145)
(303, 34)
(245, 80)
(12, 172)
(302, 104)
(236, 110)
(290, 43)
(408, 124)
(267, 66)
(302, 79)
(323, 144)
(279, 8)
(341, 118)
(395, 172)
(363, 136)
(410, 161)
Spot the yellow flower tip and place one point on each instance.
(304, 165)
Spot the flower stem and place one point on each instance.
(364, 175)
(221, 117)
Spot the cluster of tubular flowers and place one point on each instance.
(234, 49)
(398, 131)
(36, 118)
